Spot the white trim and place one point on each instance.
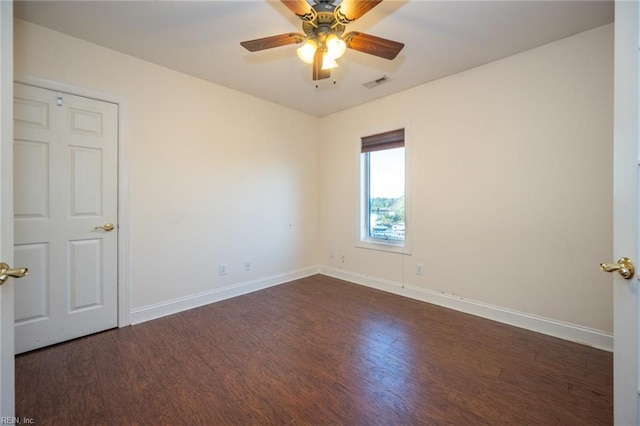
(158, 310)
(124, 288)
(563, 330)
(124, 277)
(373, 244)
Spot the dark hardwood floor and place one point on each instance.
(317, 351)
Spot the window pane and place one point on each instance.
(386, 194)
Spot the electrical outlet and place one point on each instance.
(342, 258)
(419, 269)
(247, 266)
(222, 269)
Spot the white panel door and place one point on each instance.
(7, 398)
(65, 189)
(625, 227)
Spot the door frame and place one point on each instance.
(124, 290)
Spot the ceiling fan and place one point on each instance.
(324, 39)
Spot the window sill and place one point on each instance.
(381, 246)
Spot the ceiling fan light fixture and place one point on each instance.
(328, 62)
(307, 51)
(335, 46)
(323, 39)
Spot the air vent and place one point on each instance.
(376, 82)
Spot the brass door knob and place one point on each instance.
(6, 272)
(624, 267)
(107, 227)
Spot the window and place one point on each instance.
(383, 189)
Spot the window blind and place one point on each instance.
(381, 141)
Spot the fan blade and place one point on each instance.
(299, 7)
(273, 41)
(373, 45)
(318, 72)
(350, 10)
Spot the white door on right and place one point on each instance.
(7, 394)
(626, 166)
(65, 215)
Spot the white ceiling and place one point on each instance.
(202, 38)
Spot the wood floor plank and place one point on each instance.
(317, 351)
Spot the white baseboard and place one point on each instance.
(150, 312)
(567, 331)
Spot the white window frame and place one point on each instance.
(363, 240)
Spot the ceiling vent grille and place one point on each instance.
(377, 82)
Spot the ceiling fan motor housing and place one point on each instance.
(324, 22)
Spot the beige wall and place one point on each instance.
(511, 177)
(511, 182)
(215, 176)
